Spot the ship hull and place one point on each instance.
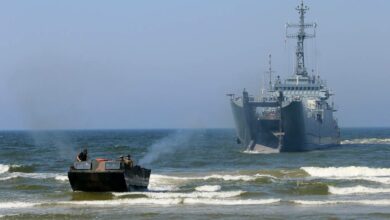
(300, 132)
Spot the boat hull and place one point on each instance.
(301, 132)
(121, 180)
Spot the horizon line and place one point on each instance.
(166, 128)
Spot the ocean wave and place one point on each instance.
(55, 176)
(164, 183)
(208, 188)
(138, 201)
(6, 178)
(4, 168)
(351, 171)
(265, 151)
(367, 141)
(171, 201)
(61, 177)
(384, 180)
(380, 202)
(21, 168)
(231, 202)
(356, 190)
(16, 205)
(174, 195)
(9, 215)
(141, 201)
(164, 188)
(226, 177)
(232, 177)
(160, 182)
(159, 177)
(191, 201)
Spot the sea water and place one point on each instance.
(196, 174)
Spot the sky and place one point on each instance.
(168, 64)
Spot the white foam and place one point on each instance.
(55, 176)
(61, 178)
(138, 201)
(266, 176)
(172, 183)
(227, 177)
(262, 151)
(231, 177)
(356, 190)
(367, 141)
(158, 187)
(4, 168)
(231, 202)
(164, 183)
(174, 195)
(384, 180)
(208, 188)
(8, 215)
(6, 178)
(351, 171)
(158, 177)
(159, 182)
(176, 201)
(16, 205)
(380, 202)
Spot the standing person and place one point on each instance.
(83, 156)
(128, 161)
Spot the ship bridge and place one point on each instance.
(298, 85)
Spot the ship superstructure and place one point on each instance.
(293, 114)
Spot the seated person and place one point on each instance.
(83, 156)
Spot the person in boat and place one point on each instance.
(128, 161)
(83, 156)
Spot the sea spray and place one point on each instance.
(179, 140)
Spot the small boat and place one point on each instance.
(103, 175)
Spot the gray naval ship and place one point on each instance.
(293, 114)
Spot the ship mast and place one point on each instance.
(301, 35)
(269, 72)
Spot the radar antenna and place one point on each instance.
(301, 35)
